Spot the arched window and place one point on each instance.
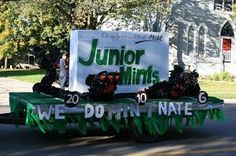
(227, 34)
(218, 4)
(201, 41)
(225, 5)
(190, 39)
(228, 5)
(227, 30)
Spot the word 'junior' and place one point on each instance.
(126, 59)
(122, 110)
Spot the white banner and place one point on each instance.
(140, 58)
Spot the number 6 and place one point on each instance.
(202, 97)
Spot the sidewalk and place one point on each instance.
(232, 101)
(11, 85)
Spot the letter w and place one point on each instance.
(44, 114)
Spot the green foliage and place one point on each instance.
(148, 15)
(25, 24)
(223, 76)
(10, 38)
(233, 16)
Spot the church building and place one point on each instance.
(202, 36)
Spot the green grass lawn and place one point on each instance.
(33, 76)
(221, 89)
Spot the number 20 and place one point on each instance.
(72, 99)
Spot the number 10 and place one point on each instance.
(141, 97)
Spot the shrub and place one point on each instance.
(223, 76)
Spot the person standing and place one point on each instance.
(63, 71)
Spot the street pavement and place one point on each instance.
(11, 85)
(214, 138)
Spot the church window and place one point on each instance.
(227, 30)
(226, 5)
(201, 41)
(190, 40)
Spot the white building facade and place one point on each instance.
(202, 36)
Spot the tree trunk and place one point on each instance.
(158, 22)
(5, 62)
(145, 25)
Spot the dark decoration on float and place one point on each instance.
(180, 83)
(103, 85)
(45, 86)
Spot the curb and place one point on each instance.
(230, 101)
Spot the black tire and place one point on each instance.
(37, 87)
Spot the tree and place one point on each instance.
(234, 12)
(91, 14)
(26, 24)
(150, 15)
(50, 21)
(10, 39)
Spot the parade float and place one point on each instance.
(117, 81)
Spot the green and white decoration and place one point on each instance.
(154, 125)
